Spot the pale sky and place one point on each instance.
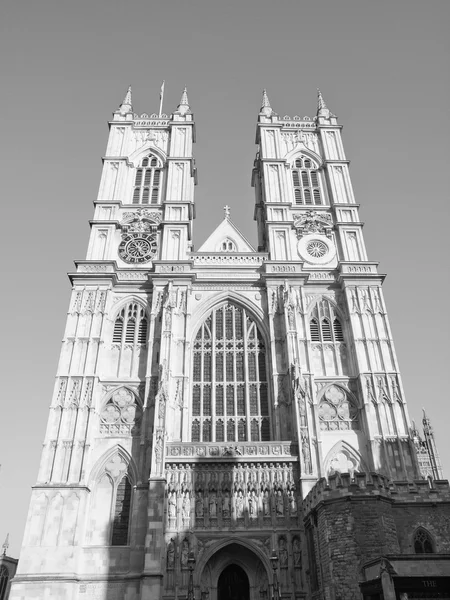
(65, 66)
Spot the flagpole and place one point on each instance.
(161, 97)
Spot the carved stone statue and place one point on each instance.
(266, 503)
(226, 505)
(239, 505)
(199, 505)
(297, 552)
(186, 507)
(253, 506)
(292, 504)
(279, 503)
(283, 553)
(212, 506)
(171, 555)
(184, 554)
(172, 505)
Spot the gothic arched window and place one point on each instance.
(148, 180)
(130, 326)
(423, 543)
(229, 391)
(111, 508)
(129, 342)
(121, 518)
(4, 576)
(305, 178)
(324, 324)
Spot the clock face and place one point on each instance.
(138, 247)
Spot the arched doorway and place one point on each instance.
(233, 584)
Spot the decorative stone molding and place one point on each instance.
(235, 452)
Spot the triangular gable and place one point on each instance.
(226, 230)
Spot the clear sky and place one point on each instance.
(65, 66)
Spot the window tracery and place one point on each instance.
(229, 392)
(306, 181)
(423, 542)
(337, 410)
(121, 414)
(147, 182)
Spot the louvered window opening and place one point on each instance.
(147, 183)
(4, 576)
(122, 510)
(324, 325)
(306, 183)
(131, 326)
(229, 393)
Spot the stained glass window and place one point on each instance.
(230, 379)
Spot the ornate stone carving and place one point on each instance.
(313, 221)
(121, 415)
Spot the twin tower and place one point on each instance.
(202, 396)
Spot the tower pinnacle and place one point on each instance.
(322, 108)
(266, 109)
(183, 107)
(5, 544)
(126, 105)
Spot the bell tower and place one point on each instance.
(308, 222)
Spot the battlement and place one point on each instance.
(342, 485)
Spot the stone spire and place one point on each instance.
(322, 108)
(183, 107)
(126, 105)
(266, 109)
(5, 544)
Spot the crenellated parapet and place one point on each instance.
(342, 486)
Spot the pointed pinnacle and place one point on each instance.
(183, 107)
(126, 105)
(184, 98)
(266, 109)
(320, 101)
(6, 544)
(322, 108)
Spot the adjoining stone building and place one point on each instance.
(229, 423)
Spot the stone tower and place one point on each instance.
(201, 395)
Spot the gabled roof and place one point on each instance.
(226, 230)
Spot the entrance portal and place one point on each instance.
(233, 584)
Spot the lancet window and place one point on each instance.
(4, 576)
(325, 325)
(229, 393)
(110, 512)
(306, 181)
(148, 180)
(423, 544)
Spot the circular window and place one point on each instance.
(316, 248)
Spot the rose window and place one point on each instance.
(317, 249)
(121, 415)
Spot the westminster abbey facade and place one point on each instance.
(229, 423)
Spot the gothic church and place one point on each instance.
(229, 423)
